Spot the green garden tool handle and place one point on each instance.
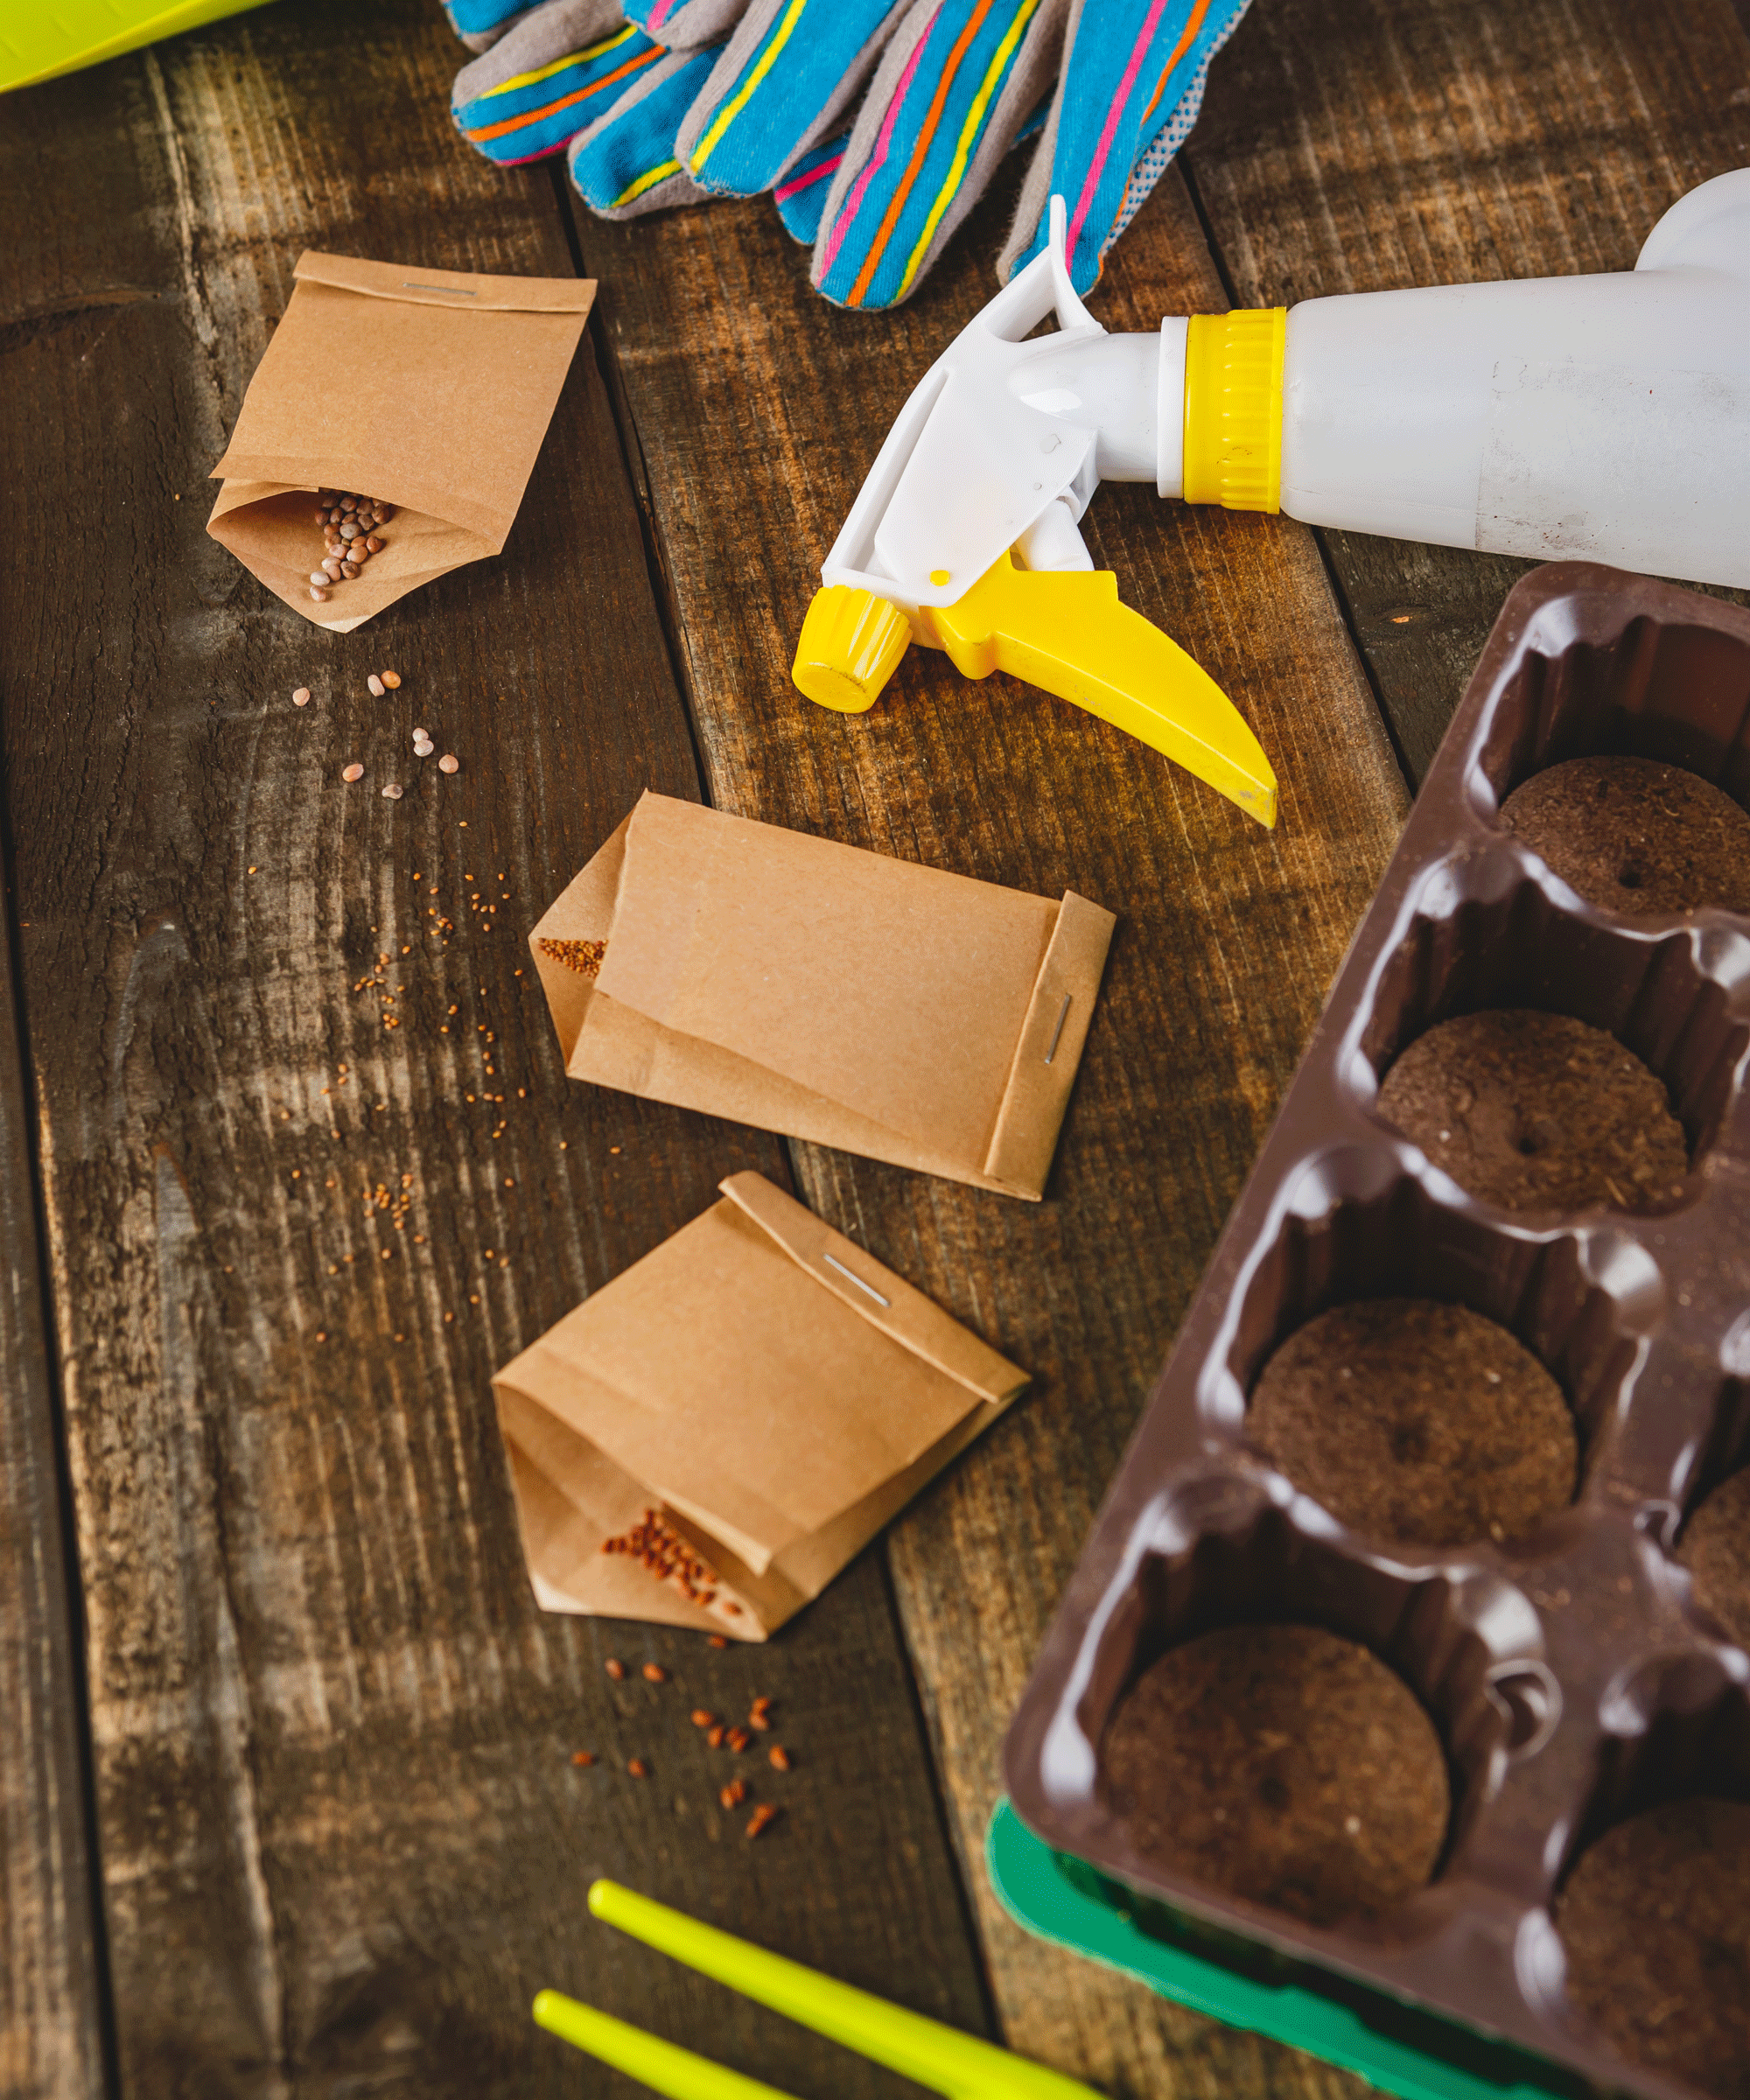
(961, 2066)
(661, 2065)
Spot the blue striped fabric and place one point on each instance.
(801, 195)
(539, 112)
(625, 163)
(748, 137)
(1131, 89)
(475, 17)
(875, 247)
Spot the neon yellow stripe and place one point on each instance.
(573, 58)
(730, 110)
(969, 130)
(647, 181)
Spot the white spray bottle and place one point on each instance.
(1603, 417)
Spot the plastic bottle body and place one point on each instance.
(1603, 417)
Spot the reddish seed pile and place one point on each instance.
(655, 1546)
(584, 956)
(351, 535)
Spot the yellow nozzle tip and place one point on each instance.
(851, 645)
(600, 1895)
(547, 2003)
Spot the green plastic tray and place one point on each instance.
(1400, 2048)
(39, 40)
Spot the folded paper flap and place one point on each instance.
(452, 288)
(895, 990)
(691, 1467)
(1048, 1048)
(874, 1293)
(581, 913)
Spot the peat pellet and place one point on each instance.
(1283, 1765)
(1715, 1548)
(1635, 836)
(1655, 1921)
(1539, 1111)
(1416, 1422)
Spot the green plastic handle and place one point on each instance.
(961, 2066)
(661, 2065)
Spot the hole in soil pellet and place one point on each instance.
(1629, 876)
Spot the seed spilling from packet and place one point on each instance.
(351, 533)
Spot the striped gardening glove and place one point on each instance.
(1127, 94)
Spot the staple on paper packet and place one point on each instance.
(825, 991)
(766, 1388)
(430, 389)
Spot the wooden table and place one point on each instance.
(286, 1798)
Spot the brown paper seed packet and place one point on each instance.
(826, 992)
(430, 389)
(710, 1437)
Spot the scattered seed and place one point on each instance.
(655, 1673)
(615, 1668)
(762, 1818)
(715, 1739)
(448, 763)
(756, 1719)
(734, 1794)
(637, 1768)
(321, 596)
(582, 1757)
(352, 773)
(375, 685)
(391, 679)
(701, 1720)
(719, 1640)
(779, 1757)
(738, 1739)
(392, 792)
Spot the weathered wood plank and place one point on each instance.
(1389, 142)
(342, 1840)
(741, 380)
(50, 2033)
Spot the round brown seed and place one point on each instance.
(354, 772)
(301, 696)
(392, 792)
(392, 679)
(448, 763)
(321, 596)
(375, 546)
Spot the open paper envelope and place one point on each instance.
(767, 1384)
(824, 991)
(430, 389)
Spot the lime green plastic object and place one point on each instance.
(961, 2066)
(60, 36)
(664, 2066)
(1413, 2052)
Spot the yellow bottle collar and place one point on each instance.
(1233, 408)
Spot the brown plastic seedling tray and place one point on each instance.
(1572, 1678)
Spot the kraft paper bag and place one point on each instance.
(824, 991)
(710, 1437)
(430, 389)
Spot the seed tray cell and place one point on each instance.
(1571, 1678)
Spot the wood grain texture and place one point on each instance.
(1392, 143)
(312, 1169)
(50, 1985)
(759, 409)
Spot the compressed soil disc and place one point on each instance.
(1539, 1111)
(1656, 1920)
(1283, 1764)
(1422, 1424)
(1715, 1549)
(1636, 837)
